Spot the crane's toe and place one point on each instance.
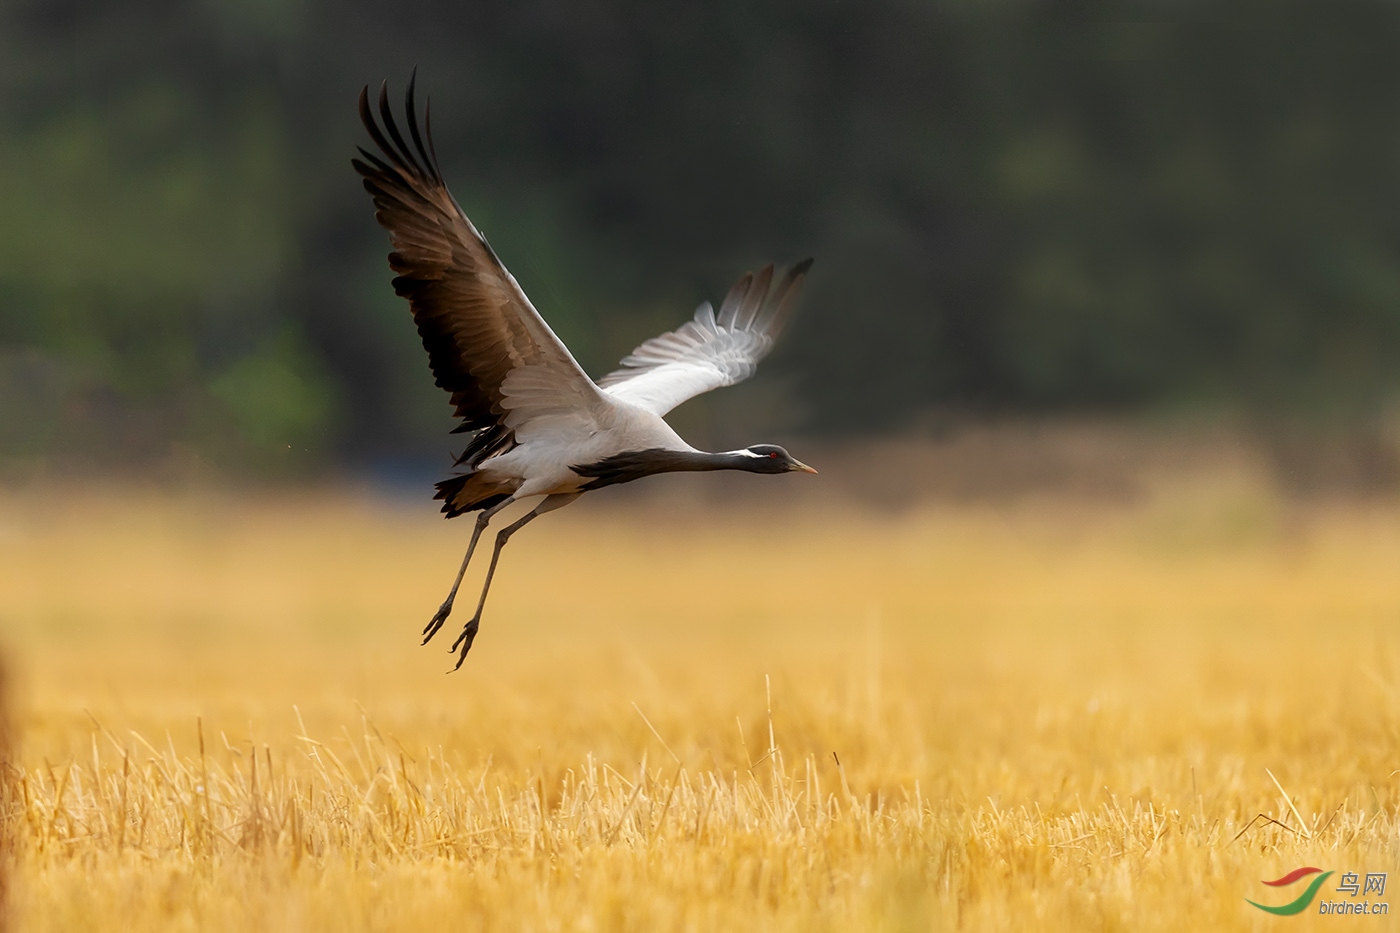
(465, 640)
(439, 617)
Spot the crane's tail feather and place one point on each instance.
(470, 492)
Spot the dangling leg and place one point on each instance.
(446, 608)
(469, 632)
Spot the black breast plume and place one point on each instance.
(634, 464)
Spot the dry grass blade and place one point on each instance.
(1303, 826)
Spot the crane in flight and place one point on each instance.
(540, 426)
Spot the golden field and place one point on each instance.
(1040, 714)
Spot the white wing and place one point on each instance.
(709, 351)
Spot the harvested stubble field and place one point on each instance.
(1043, 715)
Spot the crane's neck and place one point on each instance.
(634, 464)
(697, 460)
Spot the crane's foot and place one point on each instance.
(439, 617)
(465, 640)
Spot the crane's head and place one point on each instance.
(770, 458)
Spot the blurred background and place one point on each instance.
(1148, 213)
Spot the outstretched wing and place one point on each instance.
(709, 351)
(486, 343)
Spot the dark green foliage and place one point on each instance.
(1013, 205)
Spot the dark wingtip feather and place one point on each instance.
(732, 301)
(784, 298)
(380, 167)
(366, 117)
(386, 135)
(372, 127)
(401, 153)
(428, 131)
(429, 164)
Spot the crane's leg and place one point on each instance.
(445, 609)
(469, 632)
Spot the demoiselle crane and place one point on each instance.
(541, 426)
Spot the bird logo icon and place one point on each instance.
(1299, 904)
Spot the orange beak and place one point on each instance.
(799, 465)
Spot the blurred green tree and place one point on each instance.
(1015, 205)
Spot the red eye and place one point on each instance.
(774, 455)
